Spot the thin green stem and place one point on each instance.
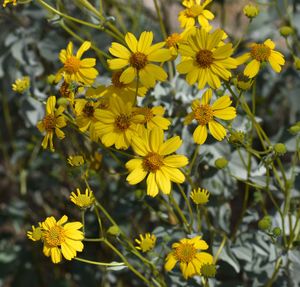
(114, 264)
(187, 203)
(195, 155)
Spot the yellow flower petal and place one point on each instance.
(170, 262)
(163, 182)
(152, 188)
(200, 134)
(217, 130)
(252, 69)
(119, 51)
(170, 146)
(145, 41)
(176, 160)
(131, 41)
(84, 47)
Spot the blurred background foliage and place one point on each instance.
(35, 183)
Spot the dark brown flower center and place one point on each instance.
(185, 252)
(122, 122)
(88, 110)
(49, 122)
(153, 161)
(204, 58)
(138, 60)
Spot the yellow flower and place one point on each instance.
(251, 11)
(200, 196)
(77, 69)
(75, 160)
(146, 242)
(21, 85)
(5, 2)
(117, 125)
(126, 91)
(205, 60)
(195, 11)
(36, 233)
(156, 162)
(205, 114)
(85, 111)
(172, 43)
(83, 200)
(259, 54)
(153, 117)
(61, 238)
(186, 252)
(139, 57)
(52, 123)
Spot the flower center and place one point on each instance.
(185, 252)
(193, 11)
(49, 122)
(115, 80)
(203, 114)
(122, 122)
(84, 200)
(260, 52)
(173, 40)
(72, 65)
(147, 113)
(88, 110)
(65, 90)
(55, 236)
(103, 103)
(153, 161)
(204, 58)
(138, 60)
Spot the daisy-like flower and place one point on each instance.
(21, 85)
(205, 114)
(146, 242)
(77, 69)
(128, 91)
(61, 238)
(138, 59)
(5, 2)
(36, 233)
(200, 196)
(85, 111)
(259, 54)
(205, 60)
(83, 200)
(154, 117)
(156, 161)
(195, 11)
(172, 43)
(75, 160)
(118, 124)
(52, 123)
(186, 252)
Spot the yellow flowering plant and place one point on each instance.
(165, 131)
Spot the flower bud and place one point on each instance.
(280, 148)
(297, 63)
(276, 231)
(251, 11)
(51, 79)
(265, 223)
(221, 162)
(286, 31)
(244, 83)
(208, 270)
(114, 230)
(237, 138)
(295, 129)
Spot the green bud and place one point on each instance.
(221, 162)
(51, 79)
(276, 231)
(280, 148)
(258, 196)
(139, 193)
(297, 63)
(264, 224)
(237, 138)
(294, 129)
(286, 31)
(62, 102)
(113, 230)
(208, 270)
